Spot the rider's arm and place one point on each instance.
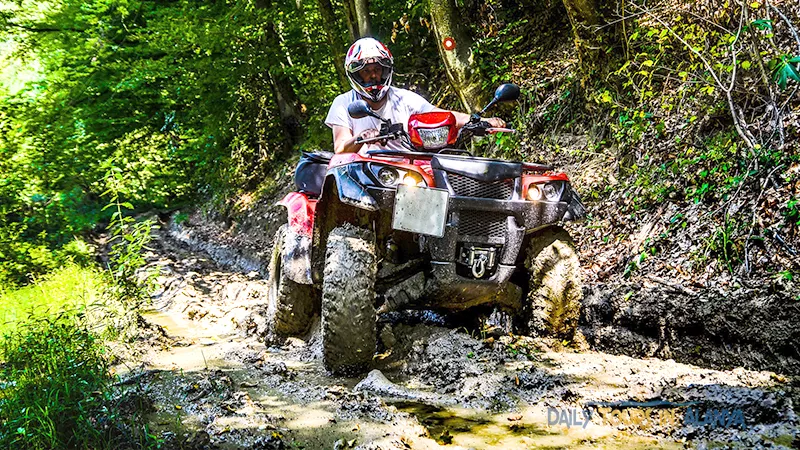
(345, 142)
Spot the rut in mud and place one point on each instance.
(214, 383)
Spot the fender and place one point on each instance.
(297, 244)
(350, 181)
(575, 209)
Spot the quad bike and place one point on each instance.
(429, 228)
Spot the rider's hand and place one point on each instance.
(495, 122)
(371, 133)
(368, 134)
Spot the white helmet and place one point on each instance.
(368, 51)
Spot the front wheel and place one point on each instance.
(348, 300)
(554, 297)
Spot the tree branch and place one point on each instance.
(44, 29)
(792, 29)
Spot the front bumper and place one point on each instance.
(498, 223)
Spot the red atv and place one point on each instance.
(429, 228)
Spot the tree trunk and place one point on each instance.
(458, 62)
(301, 13)
(337, 46)
(362, 17)
(283, 92)
(584, 15)
(286, 101)
(352, 21)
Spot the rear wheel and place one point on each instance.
(554, 298)
(291, 304)
(348, 300)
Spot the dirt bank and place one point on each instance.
(754, 328)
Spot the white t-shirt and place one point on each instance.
(398, 108)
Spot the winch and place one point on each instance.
(481, 260)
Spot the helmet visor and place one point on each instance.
(359, 64)
(371, 80)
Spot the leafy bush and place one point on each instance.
(792, 212)
(70, 287)
(52, 386)
(78, 252)
(129, 238)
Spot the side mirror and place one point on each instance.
(360, 109)
(504, 93)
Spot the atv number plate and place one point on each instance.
(420, 210)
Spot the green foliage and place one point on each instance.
(56, 391)
(703, 174)
(792, 210)
(71, 287)
(495, 52)
(723, 246)
(53, 380)
(786, 275)
(786, 69)
(181, 218)
(129, 238)
(762, 24)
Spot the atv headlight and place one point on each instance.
(388, 176)
(413, 179)
(553, 190)
(550, 191)
(433, 138)
(534, 192)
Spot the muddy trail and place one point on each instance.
(211, 382)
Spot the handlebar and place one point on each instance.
(367, 141)
(384, 137)
(493, 130)
(480, 128)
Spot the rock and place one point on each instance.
(293, 343)
(198, 441)
(376, 383)
(274, 368)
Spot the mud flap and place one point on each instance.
(297, 244)
(297, 257)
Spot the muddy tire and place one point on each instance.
(348, 301)
(554, 297)
(291, 304)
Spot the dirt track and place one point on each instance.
(214, 383)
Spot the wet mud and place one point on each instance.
(213, 382)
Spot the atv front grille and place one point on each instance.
(470, 187)
(482, 223)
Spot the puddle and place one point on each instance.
(526, 429)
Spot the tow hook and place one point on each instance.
(479, 259)
(479, 266)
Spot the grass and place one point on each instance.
(56, 391)
(54, 386)
(70, 287)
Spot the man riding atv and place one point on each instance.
(418, 222)
(369, 66)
